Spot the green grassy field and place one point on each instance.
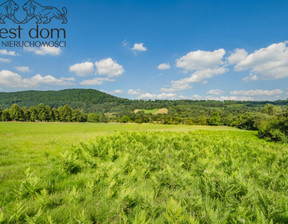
(130, 173)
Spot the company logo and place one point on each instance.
(39, 36)
(33, 10)
(7, 10)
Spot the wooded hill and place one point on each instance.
(94, 101)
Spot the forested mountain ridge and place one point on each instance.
(91, 100)
(77, 98)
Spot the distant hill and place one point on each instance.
(77, 98)
(91, 100)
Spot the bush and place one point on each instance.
(124, 119)
(275, 130)
(70, 163)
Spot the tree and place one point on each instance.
(76, 115)
(93, 117)
(188, 121)
(41, 112)
(227, 120)
(66, 114)
(25, 113)
(16, 113)
(83, 117)
(124, 119)
(103, 118)
(33, 113)
(271, 109)
(203, 120)
(55, 115)
(48, 112)
(6, 115)
(215, 119)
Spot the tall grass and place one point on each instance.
(159, 177)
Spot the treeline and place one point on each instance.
(271, 121)
(94, 101)
(45, 113)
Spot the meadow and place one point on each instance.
(140, 173)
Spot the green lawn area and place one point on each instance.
(37, 145)
(55, 137)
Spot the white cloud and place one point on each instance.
(96, 81)
(203, 64)
(14, 80)
(134, 92)
(164, 66)
(166, 96)
(82, 69)
(238, 56)
(215, 92)
(266, 63)
(50, 80)
(176, 87)
(116, 91)
(23, 69)
(5, 60)
(251, 77)
(182, 97)
(109, 68)
(257, 92)
(234, 98)
(139, 47)
(161, 96)
(201, 60)
(54, 51)
(9, 53)
(147, 96)
(197, 76)
(196, 97)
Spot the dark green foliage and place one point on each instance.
(6, 115)
(33, 113)
(215, 119)
(16, 113)
(271, 109)
(202, 120)
(93, 117)
(103, 118)
(275, 130)
(45, 114)
(124, 119)
(25, 114)
(250, 121)
(264, 116)
(93, 101)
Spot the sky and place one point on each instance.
(158, 49)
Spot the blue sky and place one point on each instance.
(161, 49)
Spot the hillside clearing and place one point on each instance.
(153, 111)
